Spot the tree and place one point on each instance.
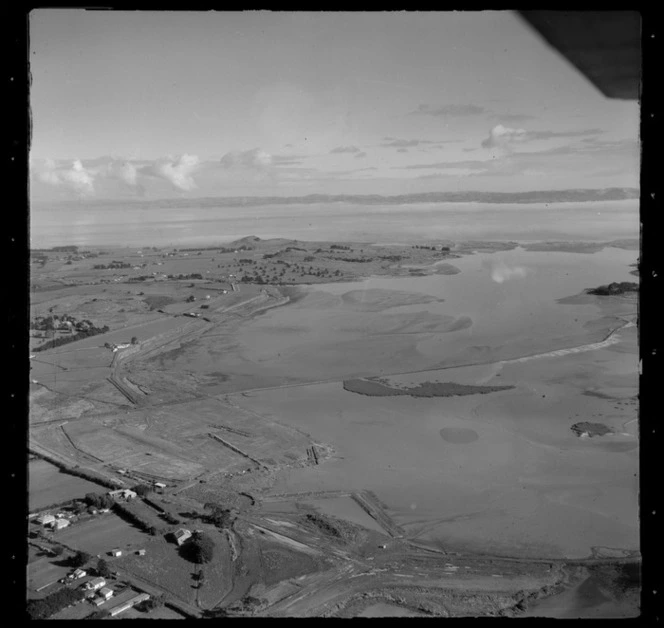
(134, 340)
(103, 569)
(80, 558)
(142, 490)
(200, 549)
(57, 550)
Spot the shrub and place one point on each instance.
(103, 569)
(99, 500)
(142, 489)
(51, 604)
(79, 559)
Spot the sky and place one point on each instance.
(169, 104)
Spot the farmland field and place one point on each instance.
(102, 534)
(49, 486)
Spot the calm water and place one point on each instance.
(97, 224)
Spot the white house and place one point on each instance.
(122, 493)
(59, 524)
(46, 520)
(95, 584)
(182, 535)
(105, 593)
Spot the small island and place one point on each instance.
(624, 287)
(376, 388)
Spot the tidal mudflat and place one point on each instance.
(501, 473)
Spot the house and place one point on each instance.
(46, 520)
(141, 597)
(77, 574)
(140, 552)
(59, 524)
(105, 593)
(95, 584)
(182, 535)
(116, 552)
(159, 485)
(123, 494)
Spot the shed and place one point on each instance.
(115, 552)
(46, 520)
(182, 535)
(61, 523)
(106, 593)
(140, 552)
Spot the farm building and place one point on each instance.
(141, 597)
(95, 584)
(106, 593)
(46, 520)
(59, 524)
(115, 552)
(182, 535)
(122, 494)
(77, 573)
(140, 552)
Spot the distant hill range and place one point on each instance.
(542, 196)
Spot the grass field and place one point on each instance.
(49, 486)
(102, 534)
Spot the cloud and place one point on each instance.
(501, 272)
(450, 110)
(345, 149)
(254, 158)
(501, 136)
(76, 178)
(513, 117)
(447, 165)
(176, 171)
(402, 150)
(360, 155)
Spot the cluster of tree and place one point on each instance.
(170, 518)
(103, 569)
(141, 489)
(615, 288)
(53, 321)
(340, 247)
(101, 613)
(79, 559)
(246, 260)
(151, 604)
(392, 258)
(244, 247)
(309, 258)
(186, 276)
(99, 500)
(270, 255)
(199, 549)
(218, 515)
(112, 265)
(139, 278)
(129, 514)
(288, 249)
(53, 603)
(63, 340)
(356, 260)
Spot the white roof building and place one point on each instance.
(46, 520)
(182, 535)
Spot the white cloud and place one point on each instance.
(501, 136)
(177, 171)
(254, 158)
(77, 178)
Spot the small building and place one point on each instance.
(115, 552)
(105, 593)
(160, 485)
(141, 597)
(182, 535)
(140, 552)
(123, 494)
(77, 574)
(46, 520)
(59, 524)
(95, 584)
